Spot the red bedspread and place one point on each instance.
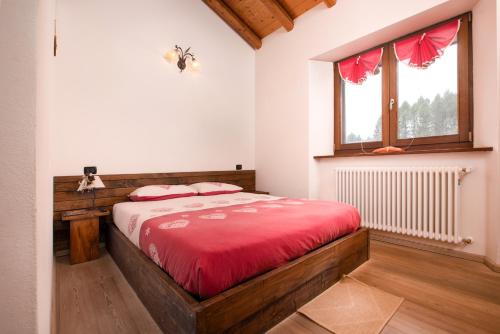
(209, 251)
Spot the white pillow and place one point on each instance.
(161, 192)
(215, 188)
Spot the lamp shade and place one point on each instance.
(195, 64)
(86, 184)
(171, 56)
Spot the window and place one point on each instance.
(427, 104)
(414, 92)
(356, 99)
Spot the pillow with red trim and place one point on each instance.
(215, 188)
(161, 192)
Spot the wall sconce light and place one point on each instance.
(183, 58)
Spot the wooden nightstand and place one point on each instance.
(84, 234)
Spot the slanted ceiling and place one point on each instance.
(255, 19)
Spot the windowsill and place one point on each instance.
(356, 153)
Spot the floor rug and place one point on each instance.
(352, 307)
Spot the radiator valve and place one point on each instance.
(467, 241)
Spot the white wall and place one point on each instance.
(122, 107)
(493, 231)
(496, 229)
(289, 127)
(44, 190)
(320, 118)
(18, 177)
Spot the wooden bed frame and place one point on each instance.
(251, 307)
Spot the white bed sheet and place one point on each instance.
(127, 214)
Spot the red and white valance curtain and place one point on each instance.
(356, 69)
(421, 50)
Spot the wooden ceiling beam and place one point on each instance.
(235, 22)
(280, 13)
(330, 3)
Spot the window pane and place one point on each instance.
(428, 98)
(362, 110)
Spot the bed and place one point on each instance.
(253, 300)
(209, 244)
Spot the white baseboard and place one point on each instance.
(410, 242)
(491, 264)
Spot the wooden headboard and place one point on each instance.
(119, 186)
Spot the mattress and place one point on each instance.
(209, 244)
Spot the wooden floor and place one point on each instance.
(442, 295)
(94, 297)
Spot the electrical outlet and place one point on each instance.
(239, 167)
(89, 170)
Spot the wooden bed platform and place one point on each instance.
(251, 307)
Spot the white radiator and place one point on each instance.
(420, 202)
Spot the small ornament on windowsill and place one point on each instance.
(388, 149)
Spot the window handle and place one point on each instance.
(391, 104)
